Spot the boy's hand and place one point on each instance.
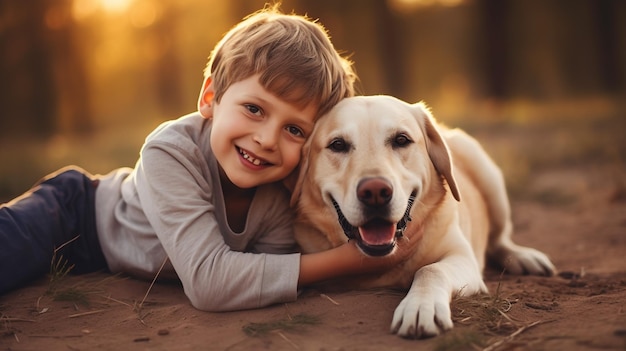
(371, 264)
(348, 259)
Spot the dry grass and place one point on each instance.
(77, 293)
(7, 329)
(80, 293)
(139, 307)
(59, 267)
(483, 315)
(291, 323)
(483, 323)
(486, 313)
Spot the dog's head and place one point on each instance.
(365, 164)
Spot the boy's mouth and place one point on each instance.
(250, 158)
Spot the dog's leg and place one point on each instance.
(514, 258)
(488, 178)
(425, 310)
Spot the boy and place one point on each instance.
(205, 200)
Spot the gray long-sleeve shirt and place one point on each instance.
(171, 205)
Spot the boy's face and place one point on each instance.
(256, 136)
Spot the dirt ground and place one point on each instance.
(577, 216)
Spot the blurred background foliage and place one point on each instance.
(541, 82)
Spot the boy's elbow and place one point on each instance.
(207, 306)
(208, 302)
(217, 301)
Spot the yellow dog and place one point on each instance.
(382, 172)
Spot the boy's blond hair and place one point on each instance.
(293, 55)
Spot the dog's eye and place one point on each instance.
(401, 140)
(338, 145)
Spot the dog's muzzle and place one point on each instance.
(367, 237)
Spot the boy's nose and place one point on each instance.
(267, 138)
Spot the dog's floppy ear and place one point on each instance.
(296, 189)
(437, 148)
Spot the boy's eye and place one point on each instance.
(295, 131)
(255, 110)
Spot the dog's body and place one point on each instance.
(382, 172)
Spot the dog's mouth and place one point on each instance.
(377, 237)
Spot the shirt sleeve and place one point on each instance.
(175, 194)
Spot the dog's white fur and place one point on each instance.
(461, 211)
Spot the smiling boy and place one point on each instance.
(205, 200)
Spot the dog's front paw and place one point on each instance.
(422, 316)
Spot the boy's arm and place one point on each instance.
(343, 261)
(174, 193)
(329, 264)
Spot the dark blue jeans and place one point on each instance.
(58, 213)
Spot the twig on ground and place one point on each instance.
(502, 341)
(13, 319)
(56, 336)
(84, 314)
(153, 281)
(116, 300)
(330, 299)
(287, 340)
(288, 313)
(37, 305)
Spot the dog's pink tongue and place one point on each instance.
(377, 232)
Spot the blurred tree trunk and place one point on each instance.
(167, 66)
(27, 90)
(607, 36)
(43, 84)
(391, 34)
(496, 51)
(74, 105)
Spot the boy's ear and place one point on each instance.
(205, 101)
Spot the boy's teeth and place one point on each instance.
(251, 159)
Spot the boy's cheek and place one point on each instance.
(291, 179)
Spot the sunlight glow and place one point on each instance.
(83, 9)
(408, 5)
(144, 14)
(115, 6)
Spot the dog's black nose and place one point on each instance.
(375, 191)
